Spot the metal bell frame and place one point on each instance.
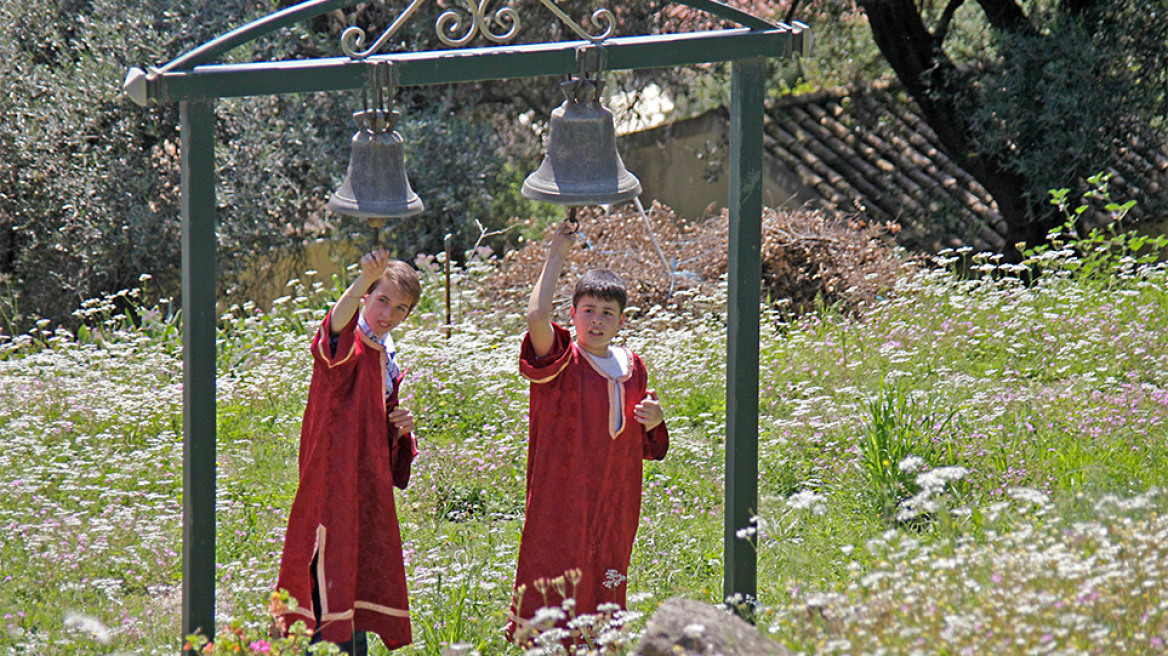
(195, 81)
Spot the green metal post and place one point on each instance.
(199, 316)
(745, 271)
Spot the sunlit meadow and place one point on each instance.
(974, 465)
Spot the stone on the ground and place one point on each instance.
(684, 627)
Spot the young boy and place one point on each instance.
(342, 553)
(592, 422)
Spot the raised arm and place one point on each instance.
(372, 266)
(539, 308)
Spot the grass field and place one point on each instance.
(973, 465)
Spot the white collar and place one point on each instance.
(385, 340)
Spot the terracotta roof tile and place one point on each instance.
(866, 150)
(868, 147)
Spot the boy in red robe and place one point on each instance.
(342, 553)
(592, 422)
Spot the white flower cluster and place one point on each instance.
(808, 500)
(932, 483)
(613, 579)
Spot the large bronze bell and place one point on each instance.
(582, 165)
(376, 185)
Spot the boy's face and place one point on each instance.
(597, 322)
(385, 307)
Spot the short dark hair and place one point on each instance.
(604, 284)
(404, 277)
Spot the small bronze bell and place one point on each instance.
(376, 185)
(582, 165)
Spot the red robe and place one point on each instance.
(344, 513)
(584, 465)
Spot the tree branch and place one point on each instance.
(791, 12)
(1005, 15)
(942, 30)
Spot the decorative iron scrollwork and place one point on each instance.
(451, 22)
(600, 17)
(458, 27)
(353, 38)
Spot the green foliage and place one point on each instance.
(844, 52)
(1061, 95)
(1060, 384)
(1095, 254)
(454, 608)
(89, 197)
(89, 183)
(455, 165)
(900, 426)
(237, 639)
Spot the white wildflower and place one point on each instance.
(937, 479)
(585, 621)
(613, 579)
(552, 638)
(1028, 495)
(88, 624)
(548, 615)
(911, 464)
(808, 500)
(746, 533)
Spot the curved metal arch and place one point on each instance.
(211, 50)
(309, 9)
(723, 10)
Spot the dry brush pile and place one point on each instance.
(808, 258)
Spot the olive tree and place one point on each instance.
(1060, 87)
(89, 182)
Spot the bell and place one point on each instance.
(376, 185)
(582, 165)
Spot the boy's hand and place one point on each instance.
(649, 412)
(402, 421)
(564, 237)
(373, 264)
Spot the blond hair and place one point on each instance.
(403, 277)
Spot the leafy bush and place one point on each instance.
(1068, 94)
(1092, 253)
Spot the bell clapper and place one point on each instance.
(376, 223)
(573, 220)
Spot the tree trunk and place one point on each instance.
(1005, 15)
(934, 83)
